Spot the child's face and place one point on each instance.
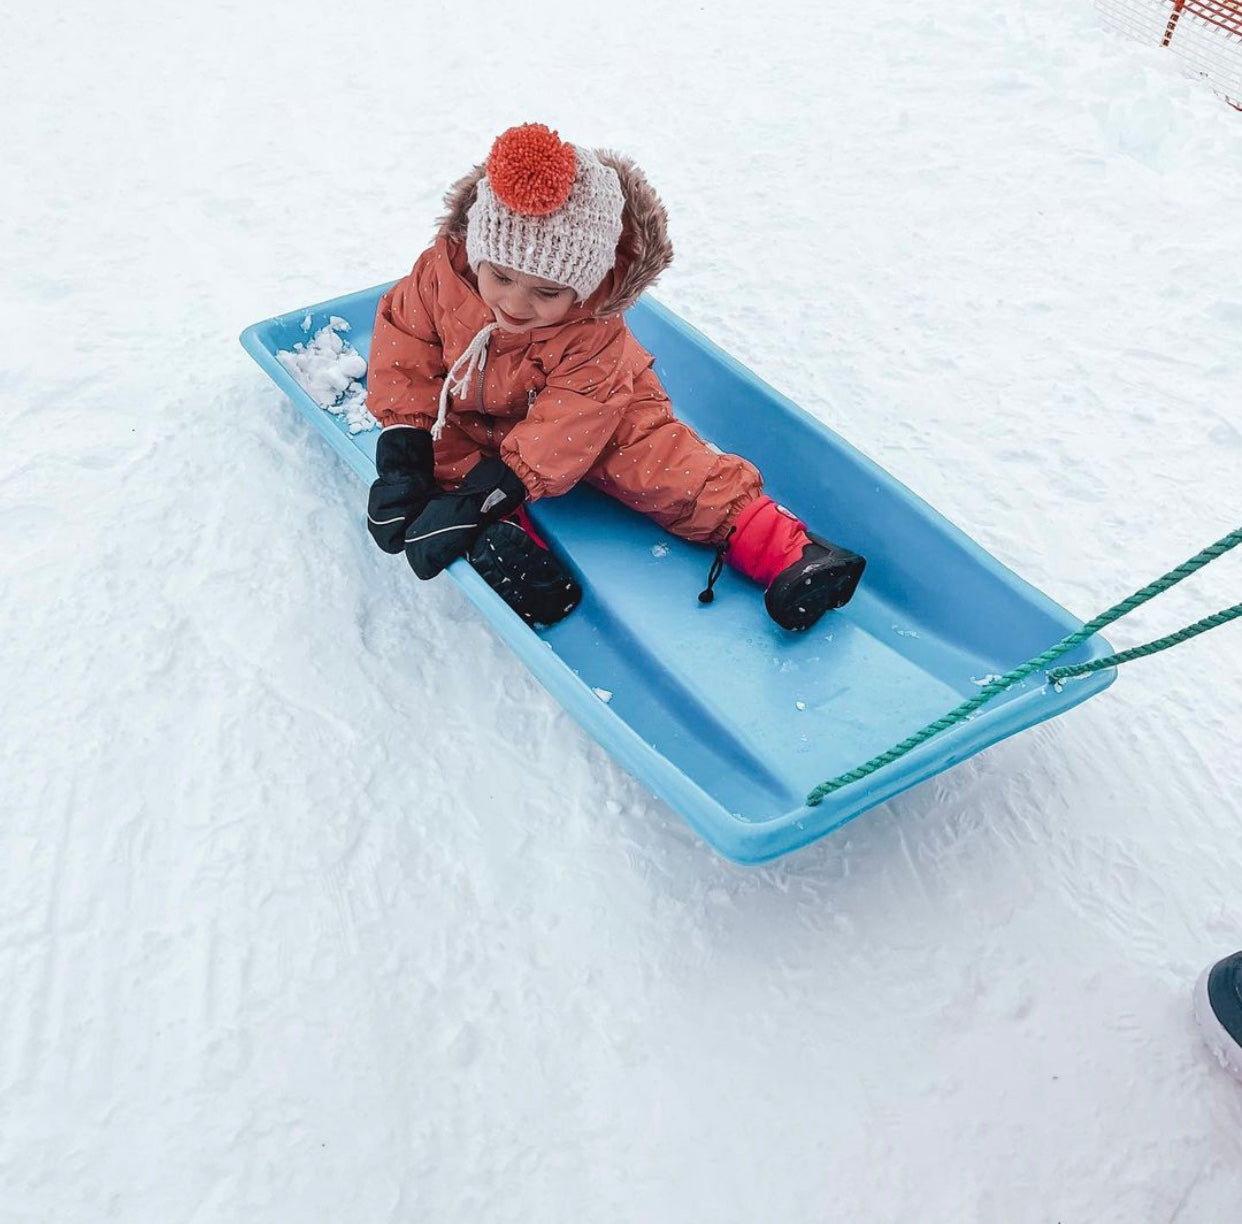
(521, 302)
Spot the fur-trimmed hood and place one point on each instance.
(643, 252)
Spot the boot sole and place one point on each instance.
(548, 602)
(836, 587)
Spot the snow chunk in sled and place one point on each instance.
(728, 718)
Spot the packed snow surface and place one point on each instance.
(315, 907)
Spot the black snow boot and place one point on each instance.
(524, 573)
(823, 578)
(803, 575)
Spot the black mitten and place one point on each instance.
(528, 578)
(405, 463)
(452, 521)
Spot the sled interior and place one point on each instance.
(727, 717)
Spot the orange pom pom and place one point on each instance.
(531, 169)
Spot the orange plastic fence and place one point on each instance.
(1204, 35)
(1227, 14)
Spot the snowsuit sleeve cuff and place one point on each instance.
(536, 485)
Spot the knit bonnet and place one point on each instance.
(546, 208)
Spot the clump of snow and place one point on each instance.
(659, 550)
(605, 695)
(330, 370)
(982, 680)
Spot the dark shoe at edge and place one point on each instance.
(1218, 1009)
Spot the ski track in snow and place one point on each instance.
(314, 906)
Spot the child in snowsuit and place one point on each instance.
(502, 371)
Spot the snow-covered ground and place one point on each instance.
(314, 906)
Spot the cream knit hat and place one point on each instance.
(546, 208)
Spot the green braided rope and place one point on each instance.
(1066, 644)
(1057, 674)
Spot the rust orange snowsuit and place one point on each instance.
(575, 401)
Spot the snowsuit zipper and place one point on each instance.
(487, 420)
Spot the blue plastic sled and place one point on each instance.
(728, 718)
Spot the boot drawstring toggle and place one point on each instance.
(706, 595)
